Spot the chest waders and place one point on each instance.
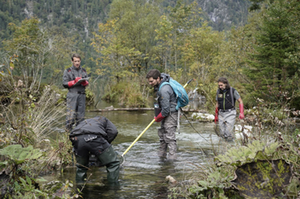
(102, 151)
(123, 155)
(227, 115)
(76, 98)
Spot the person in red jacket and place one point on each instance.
(75, 79)
(225, 112)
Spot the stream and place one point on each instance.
(143, 173)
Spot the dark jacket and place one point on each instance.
(70, 74)
(98, 126)
(165, 96)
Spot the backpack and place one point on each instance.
(182, 97)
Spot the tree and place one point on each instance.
(276, 62)
(200, 49)
(114, 56)
(136, 22)
(173, 29)
(125, 43)
(38, 54)
(30, 45)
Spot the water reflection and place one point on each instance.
(143, 172)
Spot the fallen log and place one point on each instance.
(137, 109)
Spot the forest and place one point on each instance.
(254, 44)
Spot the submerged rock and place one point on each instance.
(171, 180)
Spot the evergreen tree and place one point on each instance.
(272, 70)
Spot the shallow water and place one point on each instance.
(143, 173)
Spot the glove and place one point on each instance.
(77, 79)
(159, 117)
(72, 83)
(216, 115)
(241, 112)
(84, 83)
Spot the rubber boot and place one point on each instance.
(172, 150)
(223, 129)
(228, 132)
(110, 160)
(162, 153)
(82, 167)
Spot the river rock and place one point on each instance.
(203, 117)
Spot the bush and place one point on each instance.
(127, 94)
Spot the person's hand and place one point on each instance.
(77, 79)
(84, 83)
(72, 83)
(216, 115)
(241, 116)
(159, 117)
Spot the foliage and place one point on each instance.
(37, 53)
(210, 181)
(246, 154)
(258, 171)
(126, 40)
(60, 190)
(114, 60)
(29, 121)
(133, 39)
(264, 166)
(127, 94)
(201, 50)
(68, 26)
(255, 4)
(60, 155)
(271, 69)
(18, 154)
(21, 184)
(28, 49)
(59, 58)
(39, 121)
(42, 117)
(26, 189)
(173, 28)
(34, 120)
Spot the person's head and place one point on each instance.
(153, 77)
(223, 83)
(76, 59)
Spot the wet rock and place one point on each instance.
(171, 180)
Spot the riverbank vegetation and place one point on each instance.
(260, 59)
(262, 162)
